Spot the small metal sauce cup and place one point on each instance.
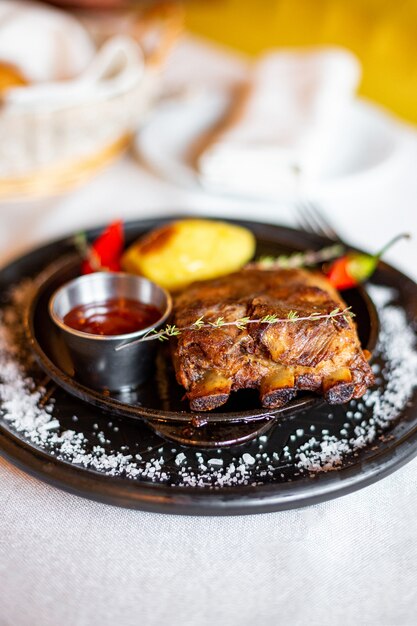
(96, 362)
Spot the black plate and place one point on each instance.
(160, 400)
(287, 485)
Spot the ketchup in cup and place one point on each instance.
(96, 314)
(116, 316)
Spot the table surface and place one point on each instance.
(65, 560)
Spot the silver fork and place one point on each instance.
(313, 220)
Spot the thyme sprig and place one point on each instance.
(298, 259)
(171, 330)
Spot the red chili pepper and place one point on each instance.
(355, 268)
(105, 252)
(338, 274)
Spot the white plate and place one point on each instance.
(368, 139)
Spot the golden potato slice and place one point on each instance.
(182, 252)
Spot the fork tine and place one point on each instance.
(307, 221)
(302, 220)
(323, 221)
(314, 218)
(311, 219)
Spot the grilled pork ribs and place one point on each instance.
(279, 359)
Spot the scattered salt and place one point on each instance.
(180, 458)
(215, 462)
(22, 411)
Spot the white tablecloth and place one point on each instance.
(69, 561)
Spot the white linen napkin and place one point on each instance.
(284, 125)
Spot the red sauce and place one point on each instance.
(118, 316)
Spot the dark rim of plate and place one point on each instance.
(372, 463)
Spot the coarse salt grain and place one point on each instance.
(215, 462)
(180, 458)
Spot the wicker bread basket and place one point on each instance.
(55, 136)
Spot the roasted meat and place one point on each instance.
(279, 359)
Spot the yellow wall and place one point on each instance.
(382, 33)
